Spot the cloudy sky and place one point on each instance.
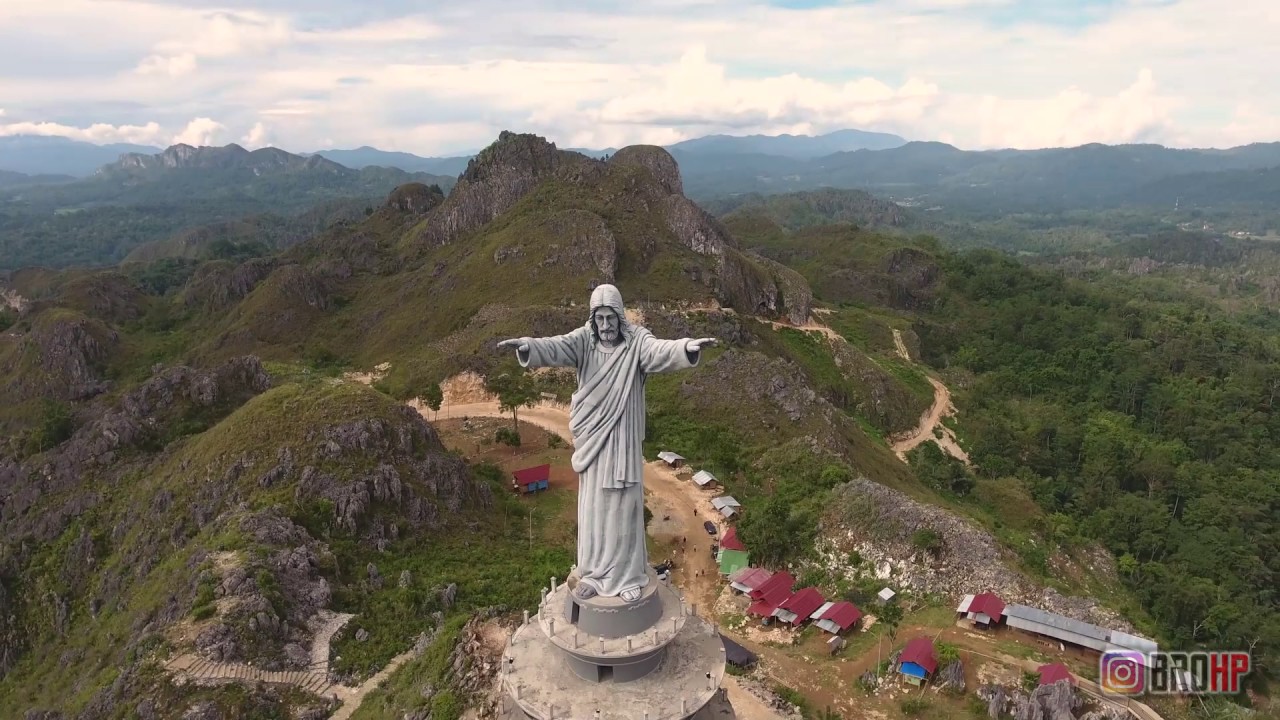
(312, 74)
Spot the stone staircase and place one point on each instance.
(202, 670)
(313, 679)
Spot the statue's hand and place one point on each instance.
(520, 344)
(696, 345)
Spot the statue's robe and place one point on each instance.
(607, 422)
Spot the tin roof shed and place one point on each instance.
(704, 478)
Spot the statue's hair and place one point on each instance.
(624, 327)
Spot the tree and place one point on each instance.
(514, 391)
(891, 616)
(433, 396)
(776, 532)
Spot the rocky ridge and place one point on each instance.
(878, 523)
(646, 179)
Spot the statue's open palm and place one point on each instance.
(520, 344)
(697, 345)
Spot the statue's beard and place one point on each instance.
(608, 337)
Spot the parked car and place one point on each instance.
(711, 528)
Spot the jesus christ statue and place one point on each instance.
(606, 418)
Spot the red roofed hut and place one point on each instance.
(531, 480)
(918, 660)
(730, 541)
(748, 579)
(1053, 672)
(837, 617)
(797, 608)
(983, 610)
(771, 593)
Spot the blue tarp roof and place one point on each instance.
(912, 669)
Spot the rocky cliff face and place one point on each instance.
(228, 156)
(640, 190)
(494, 182)
(61, 357)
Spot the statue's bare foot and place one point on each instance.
(630, 594)
(584, 591)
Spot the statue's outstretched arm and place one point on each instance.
(557, 351)
(666, 355)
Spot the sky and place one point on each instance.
(439, 78)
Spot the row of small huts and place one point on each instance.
(773, 598)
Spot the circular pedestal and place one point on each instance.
(607, 637)
(684, 679)
(610, 617)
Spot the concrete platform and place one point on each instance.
(610, 629)
(719, 708)
(539, 680)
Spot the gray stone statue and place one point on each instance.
(606, 419)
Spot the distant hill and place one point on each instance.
(986, 182)
(40, 155)
(794, 211)
(366, 156)
(16, 179)
(143, 198)
(790, 146)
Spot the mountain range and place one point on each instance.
(144, 198)
(36, 155)
(931, 174)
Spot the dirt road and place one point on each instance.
(900, 346)
(929, 421)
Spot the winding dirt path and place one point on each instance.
(929, 421)
(900, 346)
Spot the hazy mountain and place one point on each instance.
(790, 146)
(32, 154)
(15, 179)
(997, 181)
(143, 198)
(39, 155)
(365, 156)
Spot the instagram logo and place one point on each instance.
(1123, 672)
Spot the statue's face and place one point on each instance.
(606, 321)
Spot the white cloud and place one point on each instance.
(171, 65)
(201, 131)
(100, 133)
(256, 137)
(612, 74)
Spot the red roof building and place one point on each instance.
(797, 608)
(918, 653)
(730, 541)
(532, 479)
(771, 593)
(988, 604)
(982, 610)
(1053, 672)
(748, 579)
(837, 617)
(780, 582)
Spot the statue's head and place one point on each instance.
(608, 316)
